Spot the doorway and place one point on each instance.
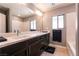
(58, 29)
(4, 19)
(2, 23)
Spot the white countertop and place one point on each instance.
(12, 38)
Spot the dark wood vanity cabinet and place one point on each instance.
(15, 49)
(30, 47)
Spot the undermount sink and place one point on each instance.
(20, 36)
(2, 39)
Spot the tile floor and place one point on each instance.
(59, 51)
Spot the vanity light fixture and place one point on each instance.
(18, 15)
(23, 3)
(39, 13)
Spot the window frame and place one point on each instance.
(58, 21)
(34, 29)
(52, 22)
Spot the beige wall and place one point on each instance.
(47, 19)
(71, 31)
(77, 28)
(17, 24)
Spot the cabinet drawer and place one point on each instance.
(45, 39)
(22, 52)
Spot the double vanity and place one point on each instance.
(25, 44)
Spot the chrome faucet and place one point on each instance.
(17, 32)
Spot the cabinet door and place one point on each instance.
(45, 39)
(11, 49)
(22, 52)
(34, 49)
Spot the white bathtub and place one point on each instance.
(71, 45)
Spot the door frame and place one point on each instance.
(63, 43)
(5, 11)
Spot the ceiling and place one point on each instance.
(27, 9)
(22, 10)
(18, 9)
(44, 7)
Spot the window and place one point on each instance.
(54, 22)
(33, 25)
(58, 22)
